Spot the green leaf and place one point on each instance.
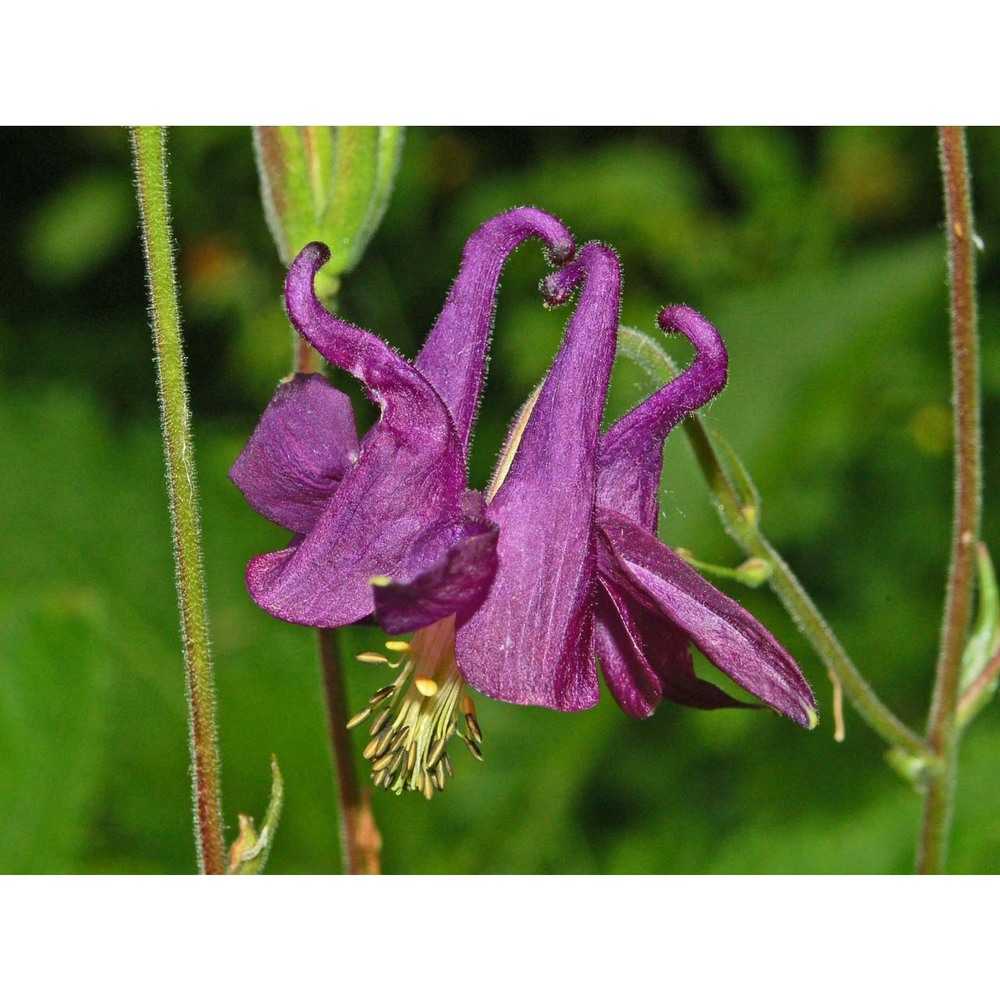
(985, 638)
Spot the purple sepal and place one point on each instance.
(410, 475)
(631, 680)
(456, 582)
(531, 640)
(302, 447)
(641, 567)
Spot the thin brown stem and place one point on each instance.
(942, 728)
(360, 839)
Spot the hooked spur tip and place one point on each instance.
(313, 254)
(554, 292)
(671, 318)
(558, 287)
(561, 251)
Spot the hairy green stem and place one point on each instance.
(745, 530)
(740, 518)
(942, 728)
(149, 151)
(359, 837)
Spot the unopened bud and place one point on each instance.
(754, 571)
(327, 183)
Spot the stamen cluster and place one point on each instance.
(415, 716)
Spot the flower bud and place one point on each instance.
(326, 183)
(754, 571)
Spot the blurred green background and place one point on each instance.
(819, 255)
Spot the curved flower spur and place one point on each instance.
(508, 592)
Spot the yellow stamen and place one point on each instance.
(371, 658)
(419, 713)
(426, 686)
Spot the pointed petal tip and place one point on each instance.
(795, 702)
(636, 562)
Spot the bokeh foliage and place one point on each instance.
(818, 253)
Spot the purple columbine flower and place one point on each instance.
(510, 591)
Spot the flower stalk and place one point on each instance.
(360, 841)
(943, 731)
(149, 152)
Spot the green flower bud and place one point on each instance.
(754, 571)
(327, 183)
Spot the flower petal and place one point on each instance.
(642, 567)
(646, 658)
(531, 641)
(632, 448)
(302, 447)
(409, 477)
(631, 680)
(456, 582)
(454, 357)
